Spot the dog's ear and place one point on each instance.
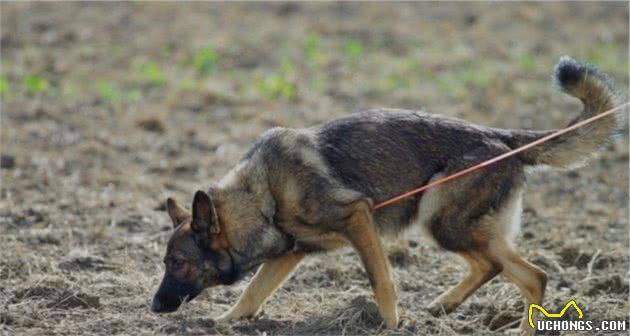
(204, 219)
(177, 213)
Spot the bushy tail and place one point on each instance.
(596, 92)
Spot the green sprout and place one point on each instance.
(280, 83)
(206, 60)
(152, 73)
(354, 49)
(35, 84)
(276, 86)
(112, 93)
(527, 62)
(311, 46)
(476, 77)
(4, 86)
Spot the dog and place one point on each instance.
(302, 191)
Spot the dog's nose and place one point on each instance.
(156, 305)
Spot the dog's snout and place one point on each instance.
(172, 293)
(156, 305)
(164, 305)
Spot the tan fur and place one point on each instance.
(364, 238)
(177, 213)
(481, 270)
(269, 277)
(498, 257)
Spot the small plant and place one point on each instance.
(280, 83)
(354, 49)
(396, 81)
(188, 84)
(4, 86)
(109, 91)
(35, 84)
(112, 93)
(276, 86)
(312, 49)
(607, 56)
(527, 62)
(476, 77)
(451, 86)
(152, 73)
(205, 61)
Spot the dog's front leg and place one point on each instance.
(268, 278)
(361, 232)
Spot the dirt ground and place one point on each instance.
(107, 109)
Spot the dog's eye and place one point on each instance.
(178, 263)
(174, 263)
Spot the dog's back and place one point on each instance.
(384, 152)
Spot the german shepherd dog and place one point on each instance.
(302, 191)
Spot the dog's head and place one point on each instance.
(197, 256)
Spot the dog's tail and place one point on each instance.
(596, 92)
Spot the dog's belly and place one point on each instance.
(504, 221)
(323, 243)
(312, 239)
(428, 205)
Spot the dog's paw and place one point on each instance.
(228, 316)
(225, 317)
(441, 308)
(233, 315)
(391, 319)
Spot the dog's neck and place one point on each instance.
(246, 211)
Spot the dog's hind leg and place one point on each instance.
(499, 257)
(360, 230)
(269, 277)
(482, 268)
(530, 279)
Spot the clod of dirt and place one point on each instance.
(7, 319)
(86, 263)
(57, 297)
(613, 285)
(489, 312)
(563, 283)
(151, 124)
(334, 273)
(400, 257)
(288, 9)
(47, 238)
(413, 243)
(571, 256)
(604, 261)
(270, 325)
(186, 169)
(12, 319)
(134, 223)
(361, 311)
(502, 320)
(368, 309)
(28, 217)
(77, 300)
(7, 161)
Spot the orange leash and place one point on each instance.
(497, 158)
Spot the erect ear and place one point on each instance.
(204, 215)
(177, 213)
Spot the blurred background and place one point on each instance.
(108, 108)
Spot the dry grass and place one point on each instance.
(137, 108)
